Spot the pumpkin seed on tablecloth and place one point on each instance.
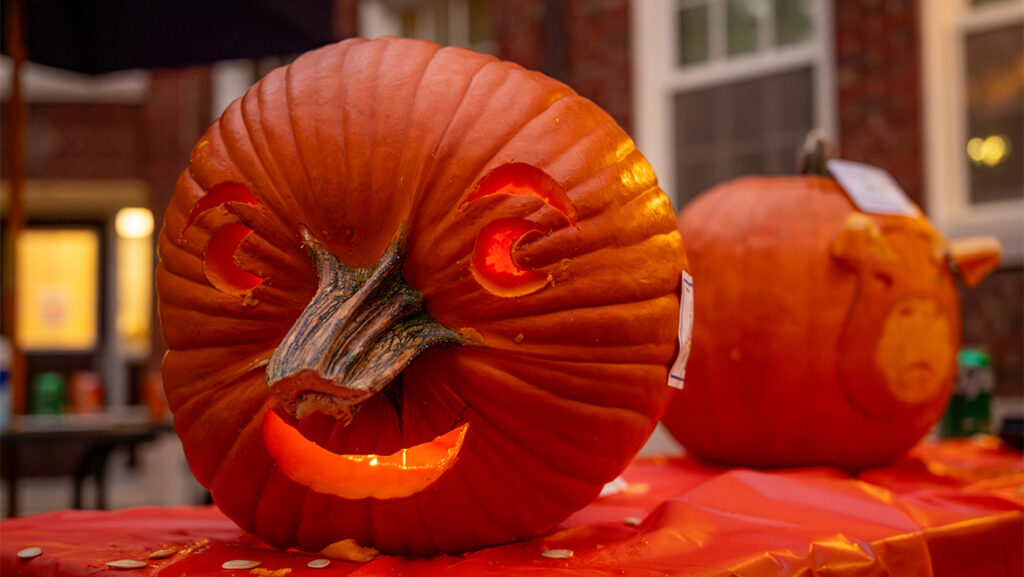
(127, 564)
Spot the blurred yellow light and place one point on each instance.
(974, 149)
(134, 222)
(989, 151)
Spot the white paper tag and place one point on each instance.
(677, 375)
(871, 189)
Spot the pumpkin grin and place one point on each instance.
(360, 476)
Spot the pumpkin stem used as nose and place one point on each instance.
(362, 328)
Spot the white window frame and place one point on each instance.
(944, 25)
(42, 83)
(382, 18)
(657, 77)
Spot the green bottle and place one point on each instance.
(969, 410)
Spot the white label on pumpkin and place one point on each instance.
(677, 375)
(871, 189)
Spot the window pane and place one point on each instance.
(58, 289)
(748, 127)
(134, 293)
(481, 21)
(995, 113)
(693, 35)
(792, 21)
(741, 17)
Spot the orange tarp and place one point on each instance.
(954, 508)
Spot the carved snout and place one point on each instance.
(860, 239)
(975, 257)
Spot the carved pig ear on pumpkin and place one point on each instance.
(975, 257)
(862, 239)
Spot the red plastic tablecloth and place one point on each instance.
(954, 508)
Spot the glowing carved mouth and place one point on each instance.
(353, 476)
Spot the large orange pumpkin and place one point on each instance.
(824, 335)
(417, 297)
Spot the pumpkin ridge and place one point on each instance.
(577, 485)
(252, 118)
(195, 189)
(484, 162)
(548, 462)
(504, 359)
(262, 474)
(425, 175)
(481, 436)
(336, 56)
(558, 307)
(411, 200)
(454, 269)
(290, 107)
(269, 296)
(189, 422)
(428, 174)
(443, 393)
(226, 377)
(237, 148)
(453, 218)
(501, 471)
(527, 393)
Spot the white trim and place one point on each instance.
(229, 80)
(47, 84)
(377, 19)
(761, 63)
(654, 29)
(652, 54)
(944, 25)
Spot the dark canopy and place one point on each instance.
(96, 36)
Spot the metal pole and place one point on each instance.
(15, 221)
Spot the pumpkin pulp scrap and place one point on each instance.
(360, 330)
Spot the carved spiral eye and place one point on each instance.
(219, 253)
(494, 264)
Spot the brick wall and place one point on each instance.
(80, 140)
(993, 318)
(584, 43)
(879, 87)
(599, 54)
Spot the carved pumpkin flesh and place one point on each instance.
(824, 335)
(416, 297)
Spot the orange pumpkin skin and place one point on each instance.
(363, 142)
(823, 335)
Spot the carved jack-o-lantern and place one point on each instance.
(824, 334)
(416, 297)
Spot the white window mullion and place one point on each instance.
(659, 78)
(717, 33)
(766, 26)
(945, 27)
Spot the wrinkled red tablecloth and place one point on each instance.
(954, 508)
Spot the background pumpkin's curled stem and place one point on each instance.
(360, 330)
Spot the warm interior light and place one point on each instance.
(360, 476)
(988, 151)
(219, 194)
(517, 178)
(134, 222)
(219, 260)
(494, 265)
